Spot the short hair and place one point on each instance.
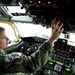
(2, 29)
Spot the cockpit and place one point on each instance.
(28, 25)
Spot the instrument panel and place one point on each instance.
(62, 60)
(63, 52)
(32, 44)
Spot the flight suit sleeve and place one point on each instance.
(17, 62)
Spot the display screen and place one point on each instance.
(57, 67)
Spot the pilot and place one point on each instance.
(16, 62)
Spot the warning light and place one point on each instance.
(67, 69)
(50, 63)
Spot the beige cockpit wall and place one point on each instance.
(11, 30)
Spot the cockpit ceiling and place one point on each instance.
(47, 10)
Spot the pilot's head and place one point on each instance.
(3, 38)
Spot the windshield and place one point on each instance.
(29, 29)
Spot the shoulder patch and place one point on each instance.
(8, 59)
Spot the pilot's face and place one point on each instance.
(3, 40)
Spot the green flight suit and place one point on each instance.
(17, 63)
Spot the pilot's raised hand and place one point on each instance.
(56, 30)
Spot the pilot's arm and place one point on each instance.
(17, 62)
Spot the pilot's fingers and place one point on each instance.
(57, 24)
(60, 26)
(60, 29)
(53, 23)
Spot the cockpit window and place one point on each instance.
(29, 29)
